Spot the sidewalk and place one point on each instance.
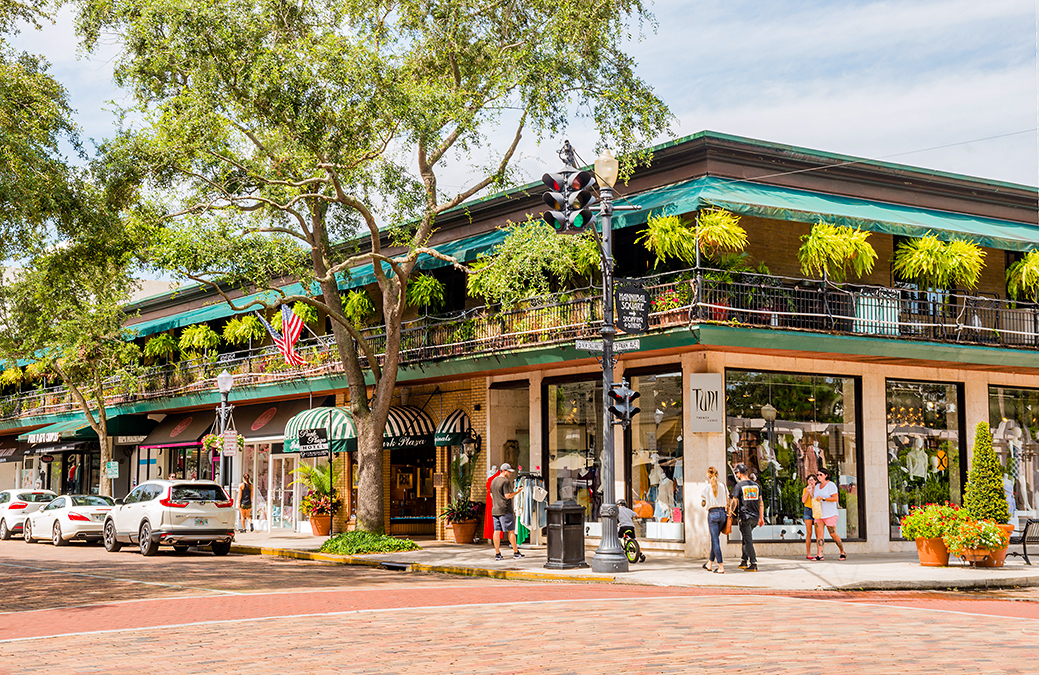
(884, 571)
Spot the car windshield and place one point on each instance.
(92, 500)
(198, 493)
(36, 497)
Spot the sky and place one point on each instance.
(941, 84)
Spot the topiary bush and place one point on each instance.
(360, 542)
(985, 498)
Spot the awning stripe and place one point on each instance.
(453, 429)
(343, 433)
(407, 420)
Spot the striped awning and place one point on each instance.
(453, 429)
(311, 432)
(408, 427)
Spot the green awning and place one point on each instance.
(78, 429)
(336, 422)
(219, 309)
(453, 429)
(779, 203)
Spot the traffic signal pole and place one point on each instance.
(609, 558)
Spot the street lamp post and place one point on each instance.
(768, 412)
(609, 558)
(224, 382)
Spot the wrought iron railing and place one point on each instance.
(678, 298)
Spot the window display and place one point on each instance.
(574, 435)
(924, 450)
(1013, 417)
(654, 454)
(784, 427)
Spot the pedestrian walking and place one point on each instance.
(245, 502)
(715, 498)
(746, 502)
(827, 494)
(502, 493)
(807, 496)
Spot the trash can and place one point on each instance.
(565, 536)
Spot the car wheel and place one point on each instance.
(27, 531)
(181, 548)
(5, 533)
(56, 538)
(148, 547)
(221, 547)
(108, 537)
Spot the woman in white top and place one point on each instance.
(714, 498)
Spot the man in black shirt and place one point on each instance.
(748, 506)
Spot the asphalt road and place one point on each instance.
(79, 609)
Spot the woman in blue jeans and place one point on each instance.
(714, 498)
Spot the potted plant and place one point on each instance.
(928, 525)
(463, 515)
(321, 501)
(829, 250)
(981, 542)
(985, 498)
(1023, 277)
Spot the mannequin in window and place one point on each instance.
(665, 499)
(767, 455)
(734, 451)
(1015, 445)
(916, 460)
(807, 460)
(892, 452)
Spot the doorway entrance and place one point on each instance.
(282, 492)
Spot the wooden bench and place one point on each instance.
(1029, 535)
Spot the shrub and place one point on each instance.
(360, 542)
(932, 521)
(985, 498)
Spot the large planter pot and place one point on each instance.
(321, 525)
(932, 552)
(464, 531)
(997, 558)
(979, 557)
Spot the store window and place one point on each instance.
(1014, 418)
(573, 435)
(816, 425)
(654, 456)
(924, 451)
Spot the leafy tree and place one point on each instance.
(828, 250)
(270, 131)
(985, 498)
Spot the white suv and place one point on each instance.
(176, 512)
(15, 505)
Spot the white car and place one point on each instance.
(69, 517)
(16, 504)
(180, 513)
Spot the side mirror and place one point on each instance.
(119, 501)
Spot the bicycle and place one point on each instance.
(632, 550)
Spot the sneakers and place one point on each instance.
(750, 568)
(516, 555)
(498, 557)
(743, 564)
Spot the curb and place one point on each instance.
(530, 575)
(515, 575)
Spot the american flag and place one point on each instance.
(291, 326)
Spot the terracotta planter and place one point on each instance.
(321, 525)
(997, 558)
(932, 552)
(464, 531)
(978, 556)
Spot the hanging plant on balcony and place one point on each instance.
(11, 376)
(37, 370)
(358, 308)
(937, 265)
(244, 330)
(162, 346)
(300, 309)
(197, 340)
(1023, 277)
(426, 291)
(830, 251)
(669, 237)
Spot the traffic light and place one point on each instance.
(622, 406)
(581, 198)
(556, 198)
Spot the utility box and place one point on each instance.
(565, 536)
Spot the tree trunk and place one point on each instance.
(370, 506)
(106, 456)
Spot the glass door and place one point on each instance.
(282, 498)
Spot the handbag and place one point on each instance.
(727, 529)
(817, 509)
(642, 509)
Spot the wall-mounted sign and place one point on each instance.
(313, 442)
(706, 403)
(130, 440)
(49, 437)
(632, 302)
(46, 459)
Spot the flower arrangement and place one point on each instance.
(215, 442)
(667, 300)
(316, 503)
(974, 534)
(932, 521)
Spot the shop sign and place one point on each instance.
(8, 454)
(632, 302)
(313, 442)
(111, 470)
(707, 403)
(130, 440)
(48, 437)
(230, 443)
(47, 459)
(399, 442)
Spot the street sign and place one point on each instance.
(111, 470)
(313, 441)
(230, 443)
(618, 346)
(632, 303)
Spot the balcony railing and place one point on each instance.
(678, 298)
